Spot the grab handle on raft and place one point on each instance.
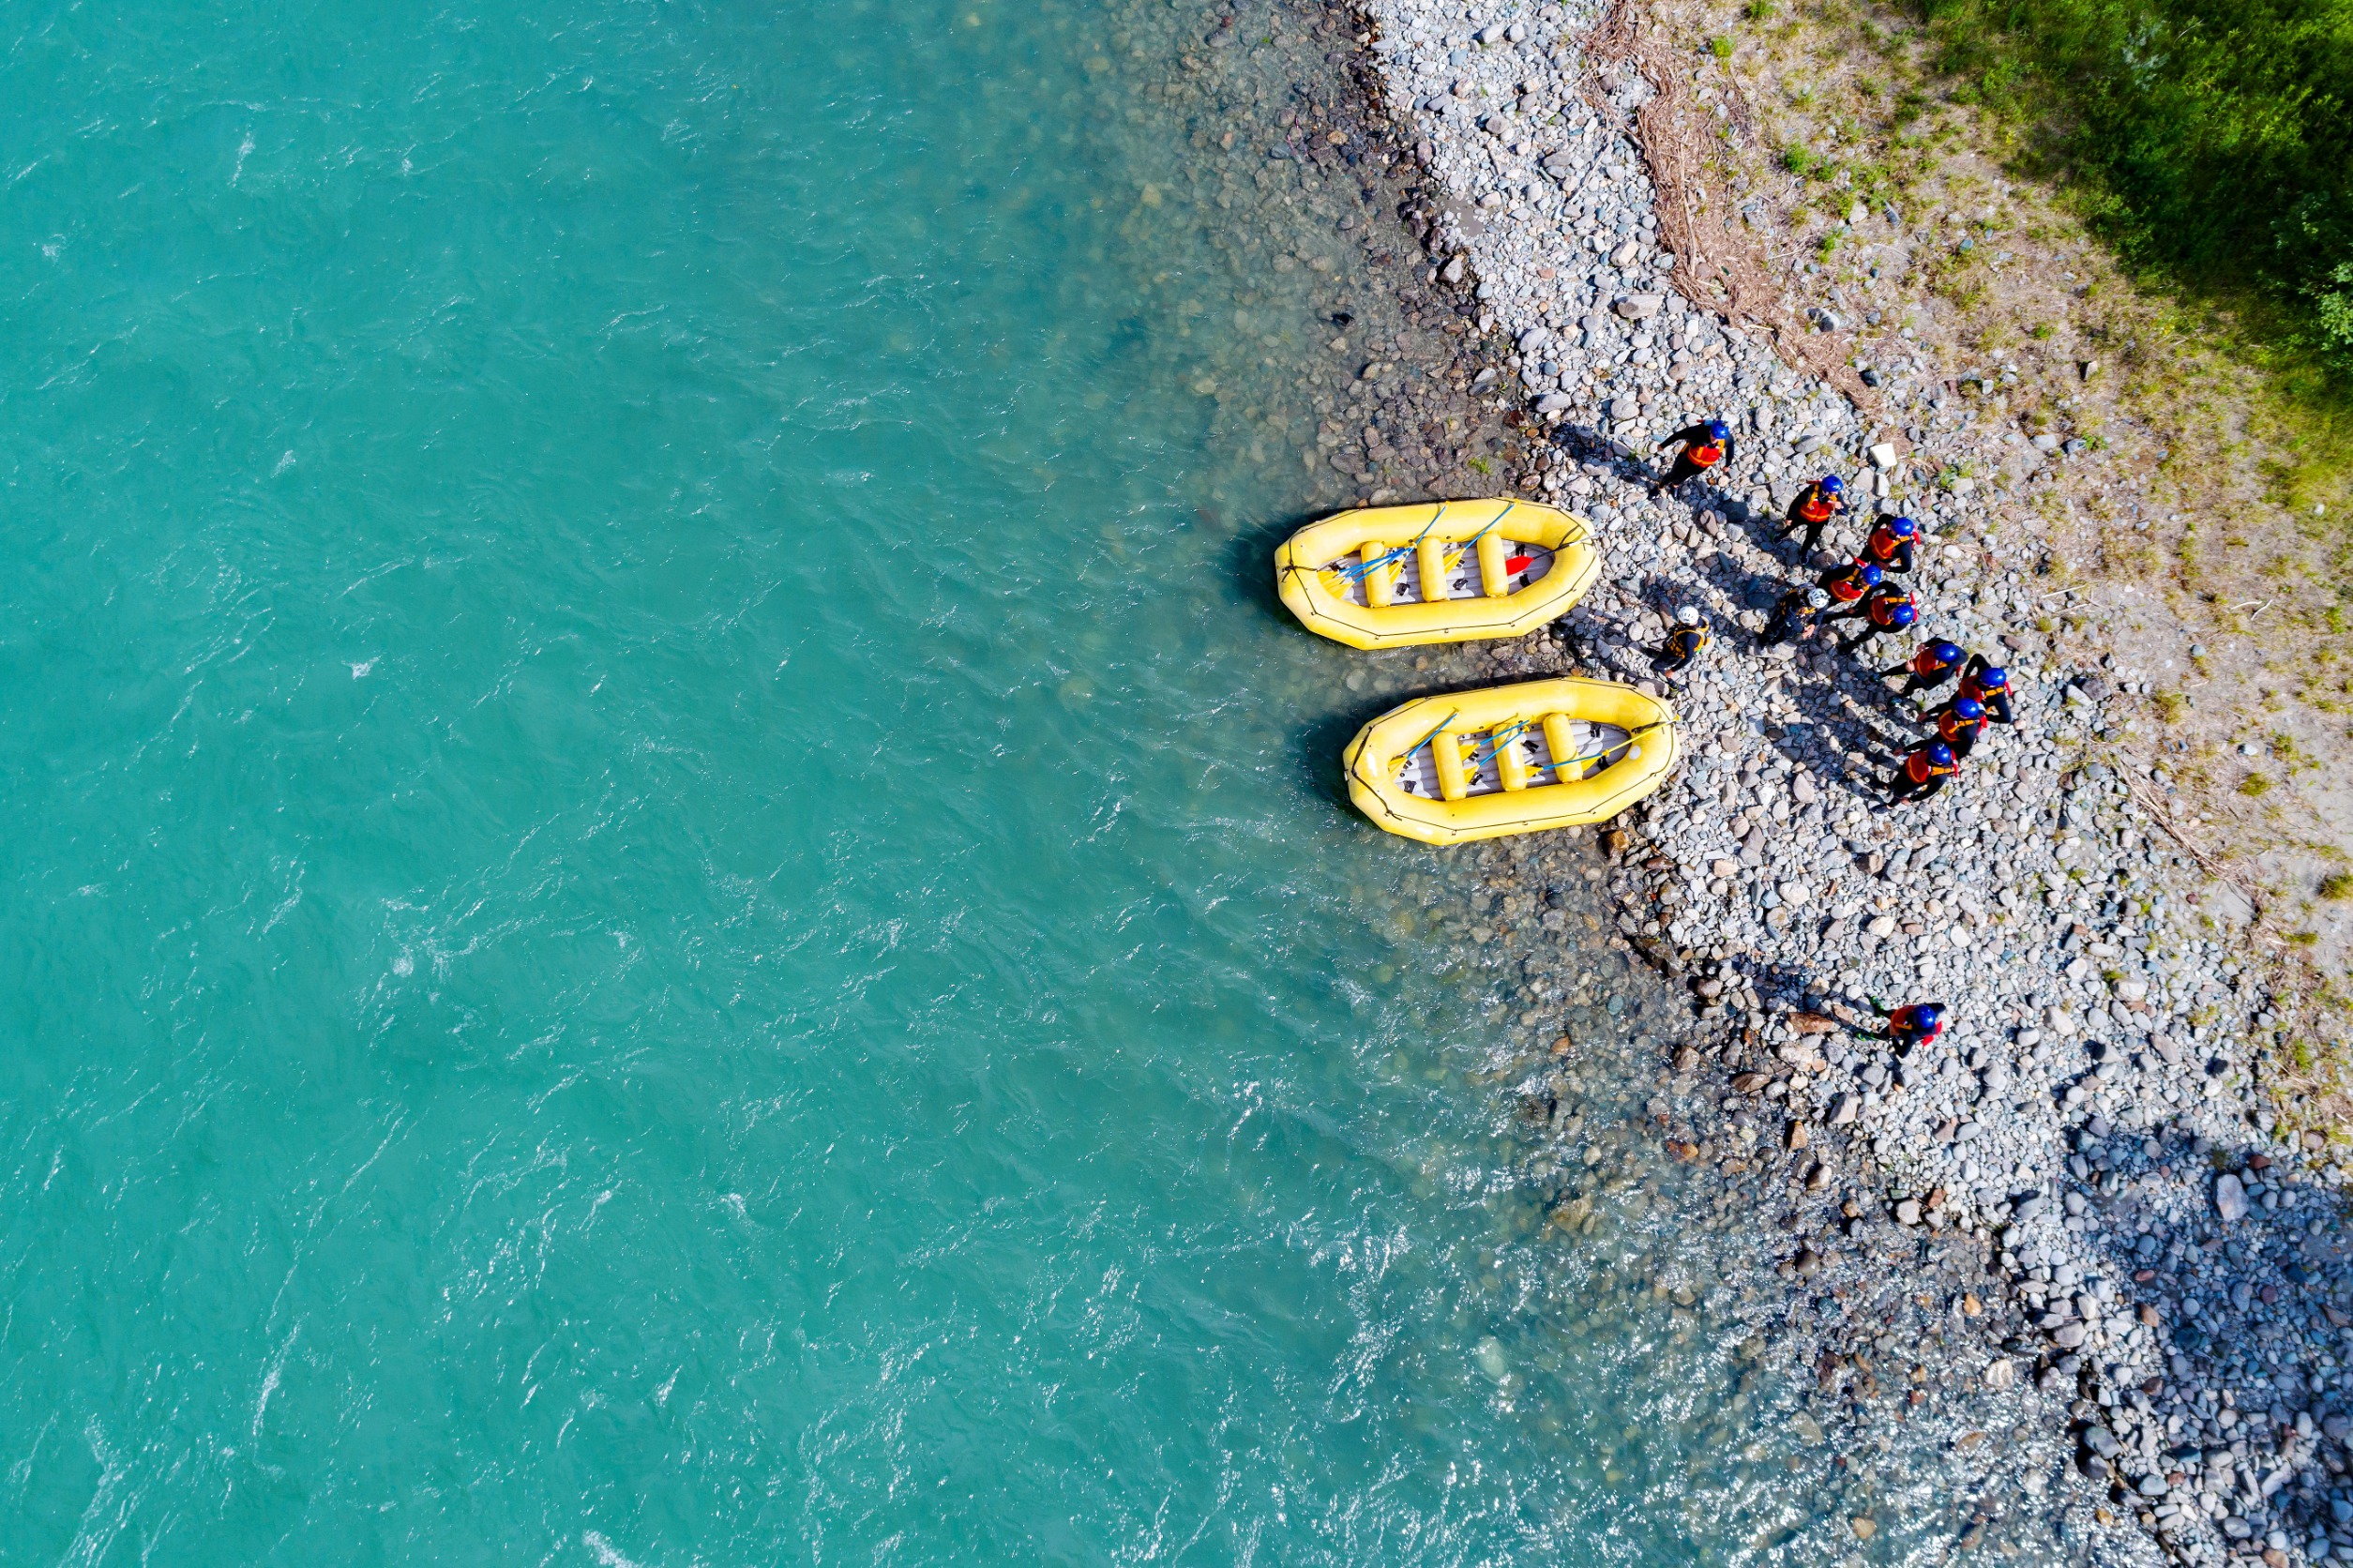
(1472, 543)
(1406, 754)
(1632, 736)
(1358, 571)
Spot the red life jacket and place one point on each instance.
(1880, 547)
(1971, 689)
(1885, 603)
(1926, 663)
(1919, 769)
(1901, 1022)
(1516, 564)
(1847, 587)
(1953, 728)
(1705, 456)
(1815, 507)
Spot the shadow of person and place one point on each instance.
(1586, 445)
(1744, 587)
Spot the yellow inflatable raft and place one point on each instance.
(1446, 571)
(1514, 759)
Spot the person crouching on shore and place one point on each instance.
(1794, 618)
(1687, 642)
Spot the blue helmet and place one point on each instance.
(1872, 575)
(1901, 528)
(1832, 485)
(1901, 615)
(1940, 754)
(1719, 431)
(1969, 709)
(1946, 652)
(1993, 678)
(1928, 1013)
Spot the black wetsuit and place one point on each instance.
(1693, 438)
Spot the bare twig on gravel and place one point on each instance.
(2160, 813)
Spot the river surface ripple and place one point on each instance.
(677, 896)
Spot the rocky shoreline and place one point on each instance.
(2147, 1260)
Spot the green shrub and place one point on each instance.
(2217, 133)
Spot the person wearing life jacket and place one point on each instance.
(1813, 510)
(1914, 1026)
(1928, 668)
(1849, 583)
(1887, 608)
(1687, 642)
(1889, 546)
(1922, 774)
(1795, 615)
(1959, 723)
(1706, 445)
(1989, 683)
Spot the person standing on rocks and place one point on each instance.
(1795, 615)
(1928, 668)
(1687, 642)
(1959, 724)
(1889, 546)
(1922, 774)
(1885, 609)
(1813, 510)
(1912, 1026)
(1705, 445)
(1989, 683)
(1849, 583)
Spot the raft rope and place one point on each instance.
(1476, 759)
(1354, 573)
(1472, 543)
(1357, 571)
(1608, 806)
(1407, 755)
(1498, 739)
(1584, 757)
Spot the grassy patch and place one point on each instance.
(2253, 785)
(2217, 140)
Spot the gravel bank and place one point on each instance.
(2157, 1273)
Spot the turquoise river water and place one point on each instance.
(675, 894)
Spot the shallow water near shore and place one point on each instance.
(678, 897)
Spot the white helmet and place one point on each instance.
(1687, 616)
